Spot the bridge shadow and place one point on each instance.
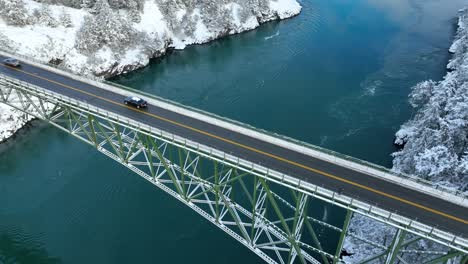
(14, 248)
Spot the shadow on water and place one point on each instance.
(31, 128)
(16, 248)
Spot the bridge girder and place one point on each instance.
(272, 219)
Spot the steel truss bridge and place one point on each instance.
(270, 213)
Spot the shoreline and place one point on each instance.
(154, 34)
(23, 130)
(433, 145)
(379, 231)
(134, 57)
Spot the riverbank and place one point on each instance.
(435, 140)
(104, 40)
(11, 121)
(337, 76)
(433, 147)
(75, 38)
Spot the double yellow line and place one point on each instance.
(394, 197)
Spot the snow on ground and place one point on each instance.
(58, 43)
(52, 35)
(443, 115)
(285, 8)
(11, 120)
(436, 139)
(435, 148)
(152, 20)
(43, 41)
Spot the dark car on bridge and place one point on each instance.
(11, 62)
(136, 101)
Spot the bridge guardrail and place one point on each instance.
(295, 141)
(372, 211)
(346, 160)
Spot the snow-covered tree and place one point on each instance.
(115, 4)
(14, 12)
(436, 139)
(112, 38)
(6, 43)
(43, 16)
(421, 93)
(106, 28)
(65, 19)
(134, 9)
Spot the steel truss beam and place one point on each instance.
(270, 218)
(403, 247)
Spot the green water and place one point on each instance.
(338, 76)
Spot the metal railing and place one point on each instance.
(384, 171)
(361, 207)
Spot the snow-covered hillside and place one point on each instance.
(435, 148)
(11, 120)
(436, 139)
(109, 37)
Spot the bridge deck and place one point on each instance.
(387, 195)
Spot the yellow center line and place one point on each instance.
(254, 150)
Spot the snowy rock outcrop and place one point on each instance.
(436, 139)
(109, 37)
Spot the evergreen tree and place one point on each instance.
(42, 16)
(14, 12)
(105, 28)
(65, 19)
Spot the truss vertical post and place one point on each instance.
(315, 239)
(168, 168)
(446, 257)
(81, 125)
(395, 246)
(182, 170)
(344, 231)
(464, 259)
(149, 157)
(93, 130)
(109, 140)
(294, 245)
(216, 187)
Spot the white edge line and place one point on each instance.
(355, 205)
(264, 137)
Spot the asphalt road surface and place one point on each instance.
(390, 196)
